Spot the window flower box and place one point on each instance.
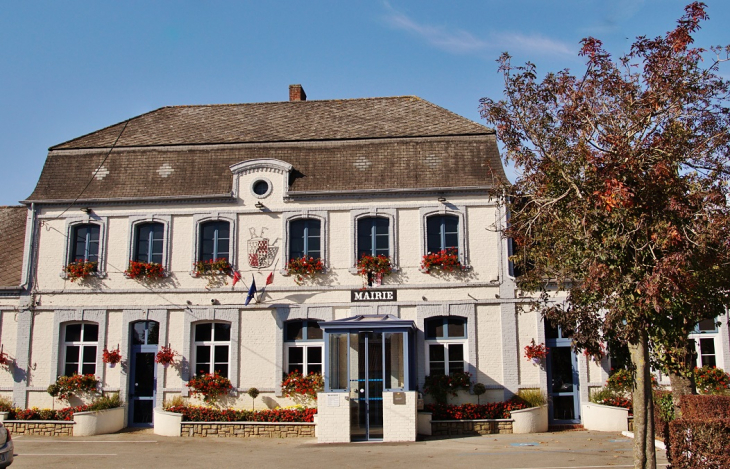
(304, 268)
(112, 357)
(210, 386)
(374, 268)
(302, 387)
(215, 270)
(80, 270)
(66, 386)
(445, 260)
(144, 270)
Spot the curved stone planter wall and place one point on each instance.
(532, 420)
(604, 418)
(98, 423)
(40, 427)
(167, 423)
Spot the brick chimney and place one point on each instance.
(296, 93)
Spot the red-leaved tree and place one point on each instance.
(622, 198)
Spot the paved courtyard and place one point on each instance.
(134, 449)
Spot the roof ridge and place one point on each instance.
(373, 98)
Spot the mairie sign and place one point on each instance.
(357, 296)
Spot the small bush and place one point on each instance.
(700, 407)
(697, 443)
(210, 414)
(663, 414)
(711, 380)
(177, 401)
(610, 397)
(110, 401)
(532, 397)
(6, 404)
(493, 410)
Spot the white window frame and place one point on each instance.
(716, 337)
(458, 211)
(166, 221)
(81, 344)
(288, 218)
(392, 216)
(304, 344)
(464, 341)
(212, 344)
(198, 220)
(90, 219)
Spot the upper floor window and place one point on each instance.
(445, 344)
(214, 240)
(212, 347)
(303, 342)
(149, 240)
(85, 243)
(305, 238)
(706, 325)
(80, 342)
(373, 238)
(442, 233)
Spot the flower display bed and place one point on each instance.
(470, 427)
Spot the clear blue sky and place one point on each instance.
(72, 67)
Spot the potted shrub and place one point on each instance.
(112, 357)
(80, 270)
(304, 267)
(374, 268)
(445, 260)
(536, 352)
(144, 270)
(210, 386)
(166, 356)
(441, 386)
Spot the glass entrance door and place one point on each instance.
(366, 385)
(562, 375)
(142, 373)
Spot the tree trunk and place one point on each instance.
(684, 384)
(644, 450)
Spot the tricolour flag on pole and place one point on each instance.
(251, 291)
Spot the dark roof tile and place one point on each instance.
(12, 240)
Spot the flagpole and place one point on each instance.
(263, 290)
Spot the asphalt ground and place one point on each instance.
(140, 449)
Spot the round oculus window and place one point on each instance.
(261, 187)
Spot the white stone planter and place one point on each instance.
(532, 420)
(604, 418)
(99, 423)
(4, 416)
(167, 423)
(314, 419)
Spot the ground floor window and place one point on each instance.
(212, 348)
(303, 342)
(80, 342)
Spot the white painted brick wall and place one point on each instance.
(333, 421)
(400, 421)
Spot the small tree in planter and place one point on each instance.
(479, 389)
(112, 357)
(253, 392)
(302, 387)
(210, 386)
(67, 386)
(80, 270)
(441, 386)
(144, 271)
(374, 268)
(166, 356)
(304, 268)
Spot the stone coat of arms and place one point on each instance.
(261, 253)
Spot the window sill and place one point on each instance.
(354, 271)
(462, 268)
(99, 275)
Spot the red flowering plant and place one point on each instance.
(113, 356)
(536, 352)
(210, 386)
(299, 386)
(446, 260)
(493, 410)
(215, 270)
(166, 355)
(212, 414)
(374, 268)
(441, 386)
(144, 270)
(66, 386)
(80, 270)
(304, 267)
(596, 356)
(712, 380)
(5, 359)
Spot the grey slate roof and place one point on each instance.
(12, 240)
(401, 143)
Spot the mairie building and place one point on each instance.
(253, 187)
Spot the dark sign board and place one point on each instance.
(399, 398)
(357, 296)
